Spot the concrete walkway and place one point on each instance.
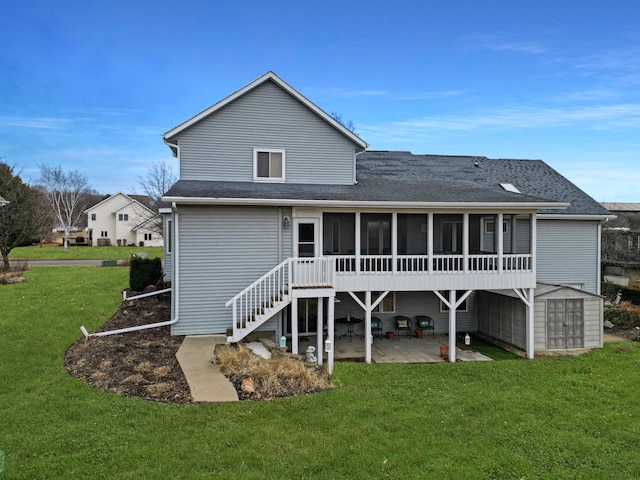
(206, 382)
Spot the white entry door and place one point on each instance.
(306, 237)
(306, 248)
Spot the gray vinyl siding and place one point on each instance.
(568, 253)
(222, 251)
(503, 318)
(411, 304)
(220, 147)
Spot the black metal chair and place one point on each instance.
(376, 326)
(424, 322)
(403, 324)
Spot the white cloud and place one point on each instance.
(46, 123)
(601, 117)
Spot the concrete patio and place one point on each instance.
(397, 350)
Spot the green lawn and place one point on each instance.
(55, 252)
(565, 418)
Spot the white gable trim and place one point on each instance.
(269, 76)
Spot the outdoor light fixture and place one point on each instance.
(286, 222)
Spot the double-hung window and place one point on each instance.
(268, 165)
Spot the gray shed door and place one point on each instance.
(565, 324)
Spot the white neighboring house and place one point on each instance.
(122, 220)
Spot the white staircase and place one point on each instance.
(272, 292)
(260, 301)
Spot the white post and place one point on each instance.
(452, 326)
(330, 333)
(430, 242)
(320, 340)
(394, 242)
(294, 326)
(534, 243)
(358, 240)
(530, 323)
(465, 241)
(498, 231)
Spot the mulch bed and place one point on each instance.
(138, 364)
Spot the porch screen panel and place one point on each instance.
(338, 234)
(412, 234)
(376, 234)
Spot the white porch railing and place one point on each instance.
(419, 264)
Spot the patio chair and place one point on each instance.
(403, 324)
(424, 322)
(376, 326)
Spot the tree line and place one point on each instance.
(58, 199)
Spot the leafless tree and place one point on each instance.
(348, 124)
(20, 219)
(65, 191)
(156, 182)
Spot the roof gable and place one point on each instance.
(267, 77)
(127, 198)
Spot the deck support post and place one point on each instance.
(330, 333)
(320, 337)
(294, 326)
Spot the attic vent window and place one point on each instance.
(510, 187)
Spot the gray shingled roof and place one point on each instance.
(404, 177)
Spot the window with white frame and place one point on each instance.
(148, 237)
(461, 308)
(123, 217)
(268, 165)
(104, 234)
(387, 305)
(170, 234)
(489, 225)
(93, 216)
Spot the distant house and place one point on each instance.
(122, 220)
(621, 244)
(3, 202)
(282, 221)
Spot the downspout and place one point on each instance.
(175, 292)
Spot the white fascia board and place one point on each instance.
(259, 81)
(364, 204)
(560, 216)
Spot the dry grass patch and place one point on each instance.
(258, 379)
(159, 389)
(143, 367)
(136, 379)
